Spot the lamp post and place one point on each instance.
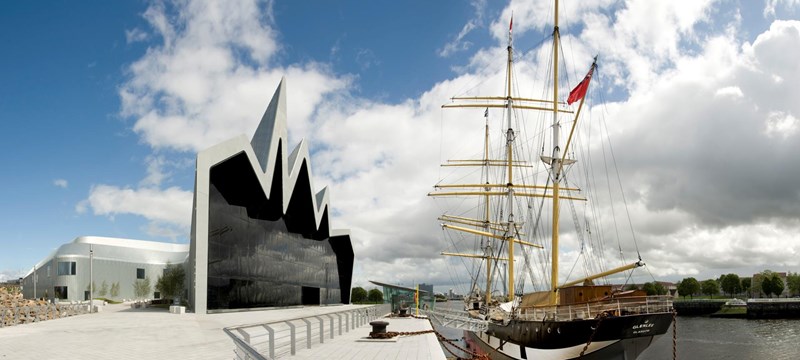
(91, 279)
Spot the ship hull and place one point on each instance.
(623, 337)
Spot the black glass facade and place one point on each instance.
(260, 258)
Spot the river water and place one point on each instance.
(712, 338)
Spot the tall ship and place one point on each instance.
(503, 210)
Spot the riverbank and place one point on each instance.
(753, 309)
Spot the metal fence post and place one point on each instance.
(245, 335)
(331, 317)
(308, 333)
(321, 329)
(291, 335)
(347, 320)
(271, 341)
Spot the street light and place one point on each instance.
(91, 279)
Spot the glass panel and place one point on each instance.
(254, 262)
(66, 268)
(140, 273)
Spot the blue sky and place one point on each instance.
(103, 106)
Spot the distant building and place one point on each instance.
(65, 273)
(402, 297)
(672, 288)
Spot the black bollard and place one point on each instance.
(378, 328)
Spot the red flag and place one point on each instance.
(511, 24)
(580, 91)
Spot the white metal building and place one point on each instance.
(115, 266)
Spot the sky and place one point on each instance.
(103, 107)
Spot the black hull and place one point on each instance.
(620, 337)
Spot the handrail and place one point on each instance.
(639, 305)
(298, 335)
(240, 344)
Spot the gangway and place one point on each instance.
(456, 319)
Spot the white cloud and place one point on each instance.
(771, 5)
(171, 206)
(781, 125)
(732, 91)
(135, 35)
(6, 275)
(211, 77)
(61, 183)
(693, 138)
(458, 43)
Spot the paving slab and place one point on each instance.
(120, 332)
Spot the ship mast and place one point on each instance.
(555, 169)
(506, 229)
(510, 159)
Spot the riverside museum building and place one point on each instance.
(260, 234)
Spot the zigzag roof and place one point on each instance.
(266, 150)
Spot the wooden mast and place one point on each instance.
(555, 168)
(509, 157)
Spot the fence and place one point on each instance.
(286, 337)
(15, 315)
(618, 306)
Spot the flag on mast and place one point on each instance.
(580, 91)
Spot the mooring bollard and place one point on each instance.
(378, 328)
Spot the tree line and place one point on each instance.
(767, 282)
(361, 295)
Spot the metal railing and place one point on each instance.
(456, 319)
(10, 316)
(287, 337)
(618, 306)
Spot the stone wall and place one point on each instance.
(697, 307)
(773, 309)
(15, 310)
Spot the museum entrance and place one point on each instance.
(310, 295)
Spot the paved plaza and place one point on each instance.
(120, 332)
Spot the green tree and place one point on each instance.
(746, 282)
(758, 282)
(358, 295)
(731, 284)
(688, 286)
(171, 283)
(793, 282)
(375, 296)
(141, 287)
(115, 289)
(103, 289)
(660, 289)
(649, 288)
(777, 285)
(710, 287)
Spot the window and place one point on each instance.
(156, 295)
(140, 273)
(66, 268)
(61, 292)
